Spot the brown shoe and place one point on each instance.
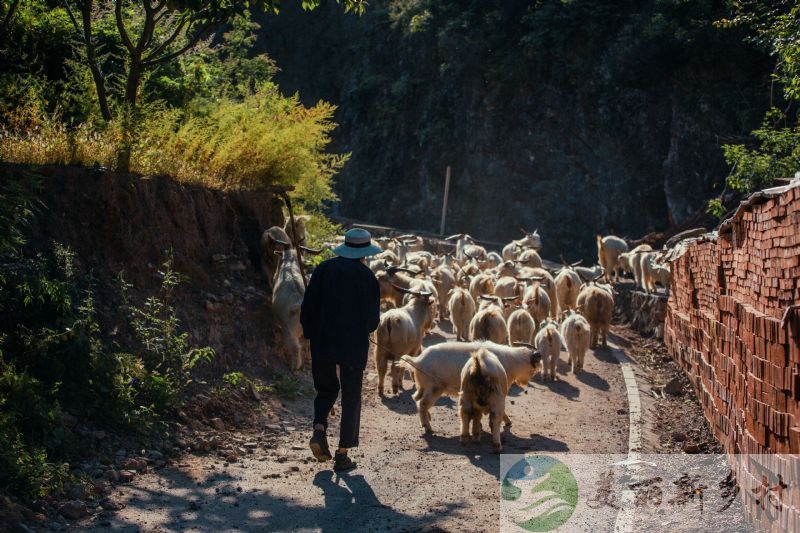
(342, 462)
(319, 446)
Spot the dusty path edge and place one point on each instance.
(624, 521)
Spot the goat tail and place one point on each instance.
(407, 362)
(479, 382)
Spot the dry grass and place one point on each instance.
(264, 139)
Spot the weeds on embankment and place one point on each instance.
(56, 362)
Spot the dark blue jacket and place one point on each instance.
(340, 309)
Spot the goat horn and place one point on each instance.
(402, 289)
(454, 237)
(510, 298)
(312, 251)
(284, 243)
(576, 263)
(488, 297)
(409, 291)
(393, 269)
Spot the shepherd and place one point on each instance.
(340, 309)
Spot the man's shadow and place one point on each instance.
(354, 491)
(351, 505)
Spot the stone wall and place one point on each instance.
(644, 312)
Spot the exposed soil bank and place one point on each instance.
(131, 224)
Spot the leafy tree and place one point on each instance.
(155, 32)
(775, 153)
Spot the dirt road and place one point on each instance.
(405, 481)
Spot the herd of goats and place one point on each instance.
(510, 313)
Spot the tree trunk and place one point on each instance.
(91, 57)
(130, 99)
(133, 82)
(6, 22)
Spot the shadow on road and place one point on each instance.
(480, 454)
(435, 337)
(404, 404)
(350, 504)
(401, 403)
(593, 380)
(565, 389)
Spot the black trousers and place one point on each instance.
(323, 369)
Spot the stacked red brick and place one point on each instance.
(723, 324)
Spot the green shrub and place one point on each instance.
(53, 357)
(774, 151)
(289, 386)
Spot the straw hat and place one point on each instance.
(357, 244)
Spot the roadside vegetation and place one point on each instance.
(55, 361)
(774, 151)
(154, 89)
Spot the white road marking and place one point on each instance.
(625, 520)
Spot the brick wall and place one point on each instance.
(724, 323)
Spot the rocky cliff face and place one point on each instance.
(567, 116)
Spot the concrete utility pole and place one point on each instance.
(444, 203)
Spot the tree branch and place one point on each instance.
(126, 40)
(72, 16)
(86, 9)
(160, 48)
(191, 44)
(147, 31)
(12, 9)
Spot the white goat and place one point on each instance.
(400, 332)
(300, 223)
(270, 242)
(521, 326)
(462, 309)
(608, 250)
(444, 280)
(529, 258)
(537, 301)
(484, 385)
(512, 250)
(587, 273)
(575, 332)
(437, 370)
(482, 283)
(547, 282)
(489, 323)
(287, 296)
(568, 285)
(548, 343)
(596, 303)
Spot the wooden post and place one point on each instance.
(444, 203)
(294, 241)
